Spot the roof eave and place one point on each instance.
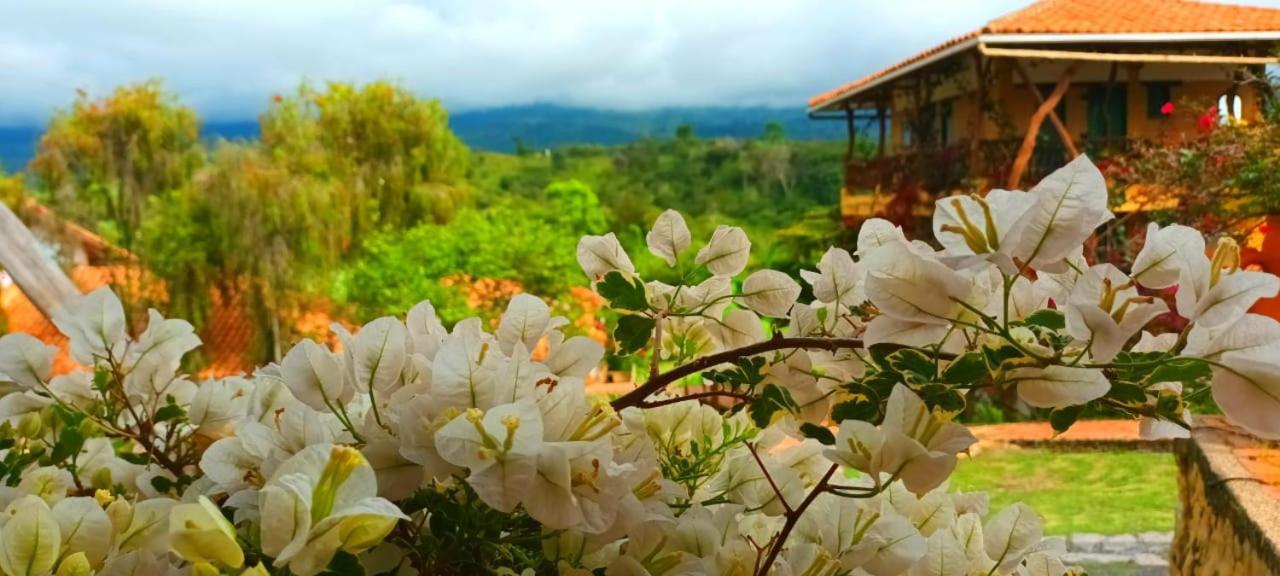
(833, 104)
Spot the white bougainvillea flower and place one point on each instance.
(525, 321)
(913, 443)
(1058, 386)
(727, 252)
(838, 280)
(158, 351)
(320, 501)
(95, 326)
(909, 286)
(499, 448)
(599, 255)
(1011, 535)
(145, 524)
(50, 483)
(1216, 292)
(1166, 253)
(1069, 205)
(198, 532)
(668, 236)
(1252, 334)
(219, 405)
(1105, 310)
(30, 540)
(976, 225)
(770, 293)
(85, 528)
(25, 361)
(316, 376)
(1247, 388)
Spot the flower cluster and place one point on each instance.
(772, 436)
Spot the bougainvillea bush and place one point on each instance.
(772, 436)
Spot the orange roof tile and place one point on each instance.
(1095, 17)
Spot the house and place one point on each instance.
(1003, 105)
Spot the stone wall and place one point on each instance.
(1229, 522)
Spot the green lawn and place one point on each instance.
(1101, 492)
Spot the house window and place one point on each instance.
(944, 122)
(1229, 108)
(1159, 95)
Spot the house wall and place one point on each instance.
(1195, 88)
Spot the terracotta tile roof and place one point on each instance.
(227, 337)
(1096, 17)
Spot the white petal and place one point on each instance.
(1253, 334)
(1167, 252)
(1071, 202)
(84, 527)
(1011, 534)
(943, 557)
(314, 375)
(668, 237)
(1059, 386)
(25, 360)
(770, 292)
(1249, 392)
(575, 357)
(94, 325)
(30, 540)
(525, 321)
(379, 354)
(599, 255)
(727, 252)
(1232, 297)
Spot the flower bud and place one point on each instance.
(199, 533)
(101, 478)
(30, 425)
(121, 514)
(75, 565)
(204, 569)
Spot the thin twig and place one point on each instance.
(792, 518)
(697, 396)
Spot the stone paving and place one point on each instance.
(1144, 554)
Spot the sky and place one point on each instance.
(227, 57)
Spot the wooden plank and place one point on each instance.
(1072, 151)
(1123, 56)
(39, 277)
(1029, 139)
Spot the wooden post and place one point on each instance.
(39, 278)
(980, 112)
(1029, 139)
(853, 132)
(880, 113)
(1063, 133)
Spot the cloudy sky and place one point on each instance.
(226, 57)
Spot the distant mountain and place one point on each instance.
(536, 126)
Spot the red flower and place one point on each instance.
(1209, 119)
(1264, 227)
(276, 98)
(1167, 109)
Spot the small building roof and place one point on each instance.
(1050, 21)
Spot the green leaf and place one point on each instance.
(1062, 418)
(345, 564)
(1127, 393)
(633, 333)
(1188, 371)
(1046, 318)
(864, 409)
(942, 397)
(967, 369)
(70, 442)
(772, 399)
(996, 357)
(909, 361)
(820, 433)
(161, 484)
(623, 294)
(170, 412)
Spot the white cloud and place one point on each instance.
(226, 57)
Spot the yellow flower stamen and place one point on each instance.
(343, 461)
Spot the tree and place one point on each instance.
(101, 160)
(389, 155)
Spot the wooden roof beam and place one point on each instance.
(1083, 56)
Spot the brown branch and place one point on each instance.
(697, 396)
(793, 516)
(767, 476)
(656, 383)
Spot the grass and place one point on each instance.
(1100, 492)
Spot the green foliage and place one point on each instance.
(464, 536)
(517, 240)
(100, 161)
(623, 294)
